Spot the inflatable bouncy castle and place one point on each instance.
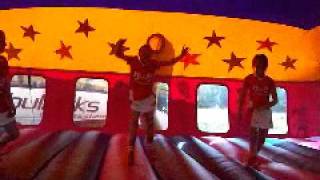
(71, 91)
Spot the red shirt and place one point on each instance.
(4, 90)
(259, 89)
(141, 77)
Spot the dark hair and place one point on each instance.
(261, 59)
(145, 50)
(2, 41)
(160, 37)
(3, 62)
(2, 35)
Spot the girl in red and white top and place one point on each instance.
(7, 109)
(142, 72)
(259, 87)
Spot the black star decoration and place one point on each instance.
(288, 63)
(214, 39)
(12, 52)
(266, 44)
(85, 28)
(234, 61)
(29, 32)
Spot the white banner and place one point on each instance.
(30, 102)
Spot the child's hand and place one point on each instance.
(120, 42)
(118, 48)
(184, 51)
(11, 113)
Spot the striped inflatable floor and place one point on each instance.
(68, 155)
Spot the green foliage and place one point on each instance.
(212, 96)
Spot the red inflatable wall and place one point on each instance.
(303, 103)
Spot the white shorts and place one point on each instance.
(262, 119)
(4, 120)
(144, 105)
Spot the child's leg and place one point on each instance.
(149, 147)
(11, 132)
(263, 133)
(3, 135)
(149, 126)
(253, 145)
(133, 126)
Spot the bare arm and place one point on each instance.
(184, 51)
(124, 57)
(118, 50)
(12, 111)
(242, 93)
(274, 100)
(274, 96)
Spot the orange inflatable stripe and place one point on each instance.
(78, 39)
